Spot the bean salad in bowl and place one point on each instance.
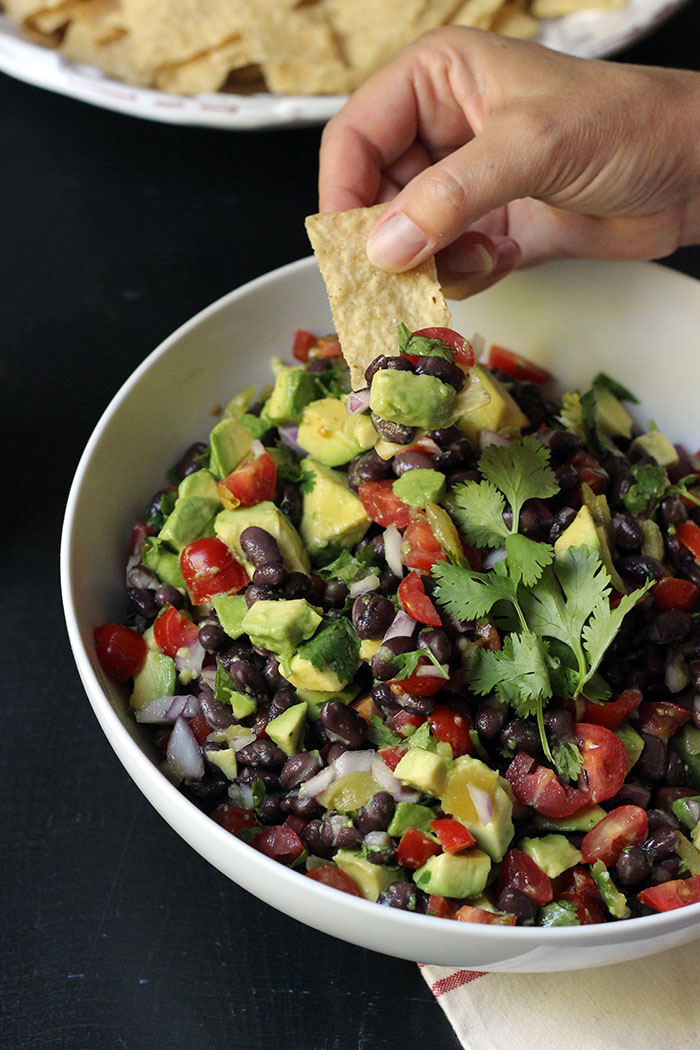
(435, 648)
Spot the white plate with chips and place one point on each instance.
(585, 33)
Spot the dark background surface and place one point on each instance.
(113, 932)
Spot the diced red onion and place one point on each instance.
(184, 753)
(402, 626)
(138, 576)
(387, 780)
(164, 710)
(288, 436)
(354, 762)
(367, 583)
(491, 437)
(358, 401)
(392, 550)
(494, 557)
(318, 784)
(676, 677)
(190, 658)
(207, 676)
(428, 445)
(482, 803)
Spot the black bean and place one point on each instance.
(259, 546)
(628, 532)
(212, 637)
(640, 567)
(694, 674)
(256, 592)
(567, 476)
(384, 698)
(417, 705)
(249, 774)
(335, 593)
(298, 585)
(561, 443)
(311, 837)
(661, 817)
(339, 831)
(671, 625)
(368, 466)
(247, 679)
(396, 363)
(140, 576)
(519, 735)
(661, 842)
(216, 714)
(376, 814)
(283, 698)
(372, 614)
(490, 718)
(270, 810)
(437, 642)
(632, 866)
(517, 903)
(676, 773)
(458, 477)
(318, 364)
(263, 753)
(559, 724)
(673, 511)
(689, 569)
(302, 806)
(665, 870)
(397, 433)
(191, 461)
(401, 895)
(438, 368)
(404, 461)
(289, 502)
(273, 574)
(382, 665)
(632, 795)
(343, 725)
(142, 600)
(271, 674)
(298, 769)
(388, 582)
(379, 848)
(561, 521)
(652, 762)
(166, 594)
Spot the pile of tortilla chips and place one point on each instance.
(299, 47)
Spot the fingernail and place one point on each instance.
(508, 252)
(471, 259)
(395, 243)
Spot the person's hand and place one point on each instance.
(498, 154)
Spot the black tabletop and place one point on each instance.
(113, 932)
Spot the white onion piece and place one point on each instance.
(239, 742)
(367, 583)
(493, 557)
(138, 576)
(387, 780)
(402, 626)
(354, 762)
(184, 753)
(241, 795)
(208, 676)
(257, 447)
(189, 658)
(676, 677)
(482, 803)
(358, 401)
(163, 710)
(478, 344)
(431, 670)
(318, 784)
(392, 550)
(490, 437)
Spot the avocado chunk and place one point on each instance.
(613, 417)
(614, 901)
(689, 853)
(191, 518)
(280, 625)
(552, 853)
(231, 610)
(286, 729)
(333, 517)
(634, 745)
(656, 445)
(410, 815)
(558, 913)
(369, 878)
(225, 692)
(162, 560)
(419, 487)
(225, 760)
(156, 678)
(455, 874)
(302, 674)
(412, 400)
(687, 810)
(582, 820)
(686, 743)
(200, 483)
(331, 435)
(499, 412)
(581, 532)
(229, 524)
(424, 770)
(294, 388)
(229, 441)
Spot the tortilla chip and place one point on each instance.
(166, 32)
(558, 8)
(41, 16)
(478, 14)
(366, 303)
(207, 72)
(513, 20)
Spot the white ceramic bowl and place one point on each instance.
(637, 321)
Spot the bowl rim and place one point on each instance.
(143, 770)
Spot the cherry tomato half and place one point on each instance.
(419, 684)
(467, 913)
(233, 818)
(661, 718)
(329, 875)
(513, 364)
(462, 350)
(674, 894)
(612, 713)
(172, 630)
(604, 761)
(689, 535)
(519, 871)
(621, 827)
(303, 341)
(120, 650)
(416, 602)
(250, 483)
(419, 548)
(673, 593)
(209, 568)
(382, 506)
(538, 786)
(581, 890)
(452, 727)
(279, 842)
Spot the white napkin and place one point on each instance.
(650, 1004)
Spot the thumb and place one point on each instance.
(499, 165)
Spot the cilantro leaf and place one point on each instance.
(478, 509)
(379, 734)
(468, 595)
(408, 662)
(651, 483)
(604, 624)
(335, 645)
(349, 567)
(421, 345)
(568, 760)
(521, 471)
(527, 558)
(517, 673)
(423, 738)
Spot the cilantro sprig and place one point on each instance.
(421, 345)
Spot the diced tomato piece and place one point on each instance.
(365, 707)
(674, 894)
(172, 630)
(416, 602)
(209, 568)
(120, 650)
(328, 346)
(675, 593)
(279, 842)
(467, 913)
(382, 506)
(661, 718)
(452, 727)
(538, 786)
(453, 835)
(329, 875)
(402, 721)
(250, 483)
(303, 341)
(623, 826)
(581, 890)
(441, 907)
(604, 761)
(201, 728)
(462, 350)
(513, 364)
(689, 535)
(419, 548)
(392, 755)
(589, 471)
(415, 848)
(423, 681)
(233, 818)
(612, 713)
(138, 536)
(519, 871)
